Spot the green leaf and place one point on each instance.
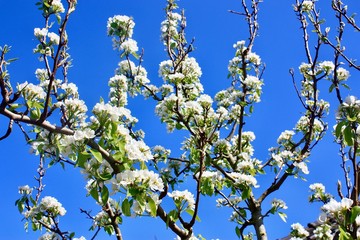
(94, 193)
(331, 88)
(152, 205)
(238, 232)
(125, 207)
(105, 176)
(339, 128)
(35, 113)
(178, 126)
(246, 193)
(20, 205)
(104, 194)
(11, 60)
(283, 216)
(348, 136)
(355, 211)
(345, 86)
(82, 159)
(173, 215)
(191, 213)
(344, 235)
(97, 155)
(351, 118)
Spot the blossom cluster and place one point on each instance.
(120, 25)
(183, 199)
(45, 213)
(318, 193)
(244, 59)
(298, 231)
(307, 5)
(169, 28)
(131, 178)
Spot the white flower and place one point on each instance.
(31, 91)
(51, 205)
(183, 196)
(351, 101)
(57, 6)
(300, 230)
(80, 238)
(323, 232)
(54, 38)
(175, 77)
(342, 74)
(305, 69)
(285, 136)
(25, 190)
(253, 82)
(40, 33)
(49, 236)
(190, 68)
(307, 6)
(302, 167)
(41, 74)
(317, 187)
(278, 203)
(140, 177)
(333, 206)
(70, 88)
(122, 24)
(129, 46)
(239, 44)
(327, 66)
(254, 58)
(87, 133)
(241, 178)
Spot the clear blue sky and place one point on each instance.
(215, 30)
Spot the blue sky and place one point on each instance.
(215, 30)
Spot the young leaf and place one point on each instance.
(97, 155)
(104, 195)
(344, 235)
(152, 205)
(355, 211)
(125, 207)
(348, 136)
(237, 231)
(191, 213)
(94, 193)
(283, 216)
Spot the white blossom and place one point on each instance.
(183, 196)
(122, 24)
(57, 6)
(25, 190)
(342, 74)
(307, 5)
(241, 178)
(54, 38)
(334, 207)
(327, 66)
(302, 167)
(129, 46)
(299, 230)
(40, 33)
(285, 136)
(317, 187)
(278, 203)
(130, 177)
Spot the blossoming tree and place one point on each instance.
(126, 177)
